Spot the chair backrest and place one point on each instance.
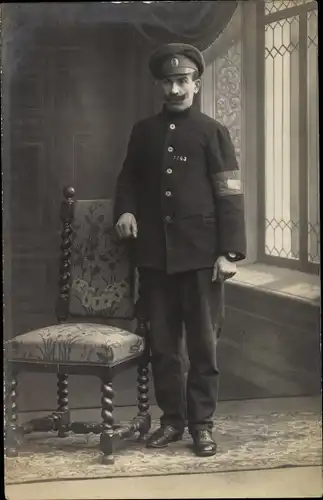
(98, 276)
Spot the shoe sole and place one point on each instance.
(151, 445)
(205, 453)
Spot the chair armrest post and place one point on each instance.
(66, 215)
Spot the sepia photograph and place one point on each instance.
(161, 250)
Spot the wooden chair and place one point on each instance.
(97, 287)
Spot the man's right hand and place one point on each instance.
(127, 226)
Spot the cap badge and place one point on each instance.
(174, 62)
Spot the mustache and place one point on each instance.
(176, 98)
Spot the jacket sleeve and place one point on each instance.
(125, 192)
(224, 175)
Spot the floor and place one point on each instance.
(278, 483)
(287, 483)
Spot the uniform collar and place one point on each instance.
(175, 115)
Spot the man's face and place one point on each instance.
(179, 91)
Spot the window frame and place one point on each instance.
(302, 263)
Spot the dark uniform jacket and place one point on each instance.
(178, 179)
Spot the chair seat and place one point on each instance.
(71, 343)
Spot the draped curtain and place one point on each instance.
(196, 23)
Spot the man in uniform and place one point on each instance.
(178, 196)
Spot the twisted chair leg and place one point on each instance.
(106, 437)
(143, 399)
(62, 400)
(12, 415)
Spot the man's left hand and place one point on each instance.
(223, 269)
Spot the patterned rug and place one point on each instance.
(244, 443)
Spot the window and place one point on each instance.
(289, 209)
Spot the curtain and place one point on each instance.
(196, 23)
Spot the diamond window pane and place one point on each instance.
(272, 6)
(281, 138)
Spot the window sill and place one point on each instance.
(280, 281)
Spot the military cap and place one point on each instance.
(176, 59)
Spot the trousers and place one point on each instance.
(190, 300)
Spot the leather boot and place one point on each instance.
(204, 444)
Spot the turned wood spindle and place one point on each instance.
(106, 438)
(62, 399)
(11, 435)
(143, 418)
(143, 389)
(14, 406)
(67, 214)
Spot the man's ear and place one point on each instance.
(197, 85)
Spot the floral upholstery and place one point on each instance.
(102, 285)
(87, 343)
(102, 278)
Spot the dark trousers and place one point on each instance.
(193, 300)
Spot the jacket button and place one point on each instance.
(172, 126)
(169, 171)
(170, 149)
(168, 193)
(168, 218)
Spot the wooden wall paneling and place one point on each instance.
(30, 191)
(94, 160)
(6, 90)
(29, 185)
(279, 352)
(32, 256)
(144, 84)
(29, 92)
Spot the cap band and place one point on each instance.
(177, 65)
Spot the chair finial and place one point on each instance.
(68, 192)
